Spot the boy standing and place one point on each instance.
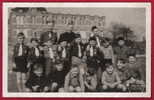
(20, 53)
(49, 51)
(107, 50)
(121, 51)
(35, 54)
(94, 57)
(64, 54)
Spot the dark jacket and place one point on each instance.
(97, 59)
(58, 77)
(75, 50)
(49, 35)
(69, 37)
(32, 58)
(121, 52)
(24, 51)
(59, 51)
(34, 80)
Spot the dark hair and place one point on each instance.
(105, 40)
(132, 54)
(77, 36)
(92, 38)
(58, 61)
(91, 71)
(34, 39)
(92, 63)
(120, 38)
(21, 34)
(93, 27)
(108, 65)
(122, 60)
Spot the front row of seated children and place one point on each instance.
(120, 78)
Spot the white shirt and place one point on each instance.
(37, 52)
(91, 51)
(64, 53)
(98, 42)
(20, 51)
(51, 54)
(79, 50)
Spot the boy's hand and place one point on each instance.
(84, 58)
(14, 65)
(112, 86)
(41, 48)
(28, 65)
(46, 89)
(132, 80)
(10, 71)
(85, 82)
(35, 87)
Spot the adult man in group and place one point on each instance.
(68, 36)
(49, 35)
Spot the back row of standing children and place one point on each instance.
(69, 64)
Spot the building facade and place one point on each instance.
(32, 20)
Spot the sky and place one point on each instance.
(132, 17)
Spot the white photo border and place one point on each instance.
(146, 94)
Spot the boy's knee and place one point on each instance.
(104, 87)
(46, 89)
(18, 77)
(54, 85)
(28, 90)
(122, 87)
(61, 90)
(78, 89)
(71, 89)
(24, 78)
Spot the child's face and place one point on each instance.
(34, 43)
(120, 64)
(121, 42)
(132, 59)
(54, 49)
(63, 44)
(95, 31)
(20, 39)
(70, 28)
(75, 61)
(38, 72)
(59, 67)
(92, 42)
(106, 44)
(78, 40)
(74, 71)
(48, 43)
(84, 41)
(110, 69)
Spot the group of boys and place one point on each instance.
(69, 64)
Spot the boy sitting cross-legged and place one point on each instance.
(37, 82)
(110, 79)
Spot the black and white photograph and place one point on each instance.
(77, 50)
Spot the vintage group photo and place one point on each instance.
(74, 49)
